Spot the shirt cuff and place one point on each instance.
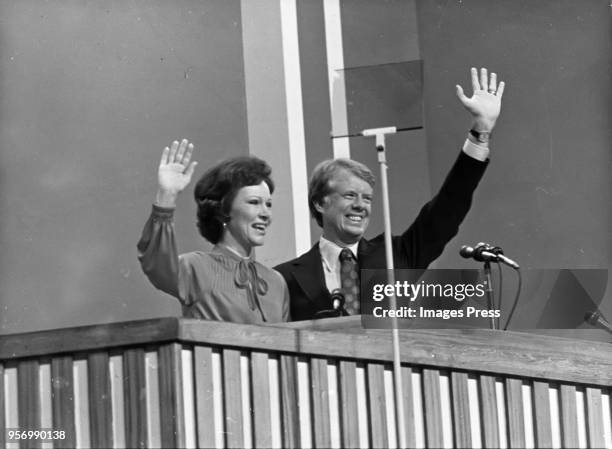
(477, 152)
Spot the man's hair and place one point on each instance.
(217, 188)
(322, 176)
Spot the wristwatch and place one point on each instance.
(483, 137)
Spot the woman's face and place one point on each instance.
(250, 216)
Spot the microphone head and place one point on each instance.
(466, 251)
(592, 317)
(337, 298)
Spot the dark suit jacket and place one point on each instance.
(437, 223)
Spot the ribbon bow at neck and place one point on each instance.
(246, 277)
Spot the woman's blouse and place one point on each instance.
(216, 285)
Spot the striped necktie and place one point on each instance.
(349, 278)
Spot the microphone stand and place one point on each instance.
(487, 270)
(380, 133)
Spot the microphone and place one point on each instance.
(338, 299)
(595, 319)
(483, 252)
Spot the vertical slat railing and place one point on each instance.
(433, 408)
(594, 417)
(542, 417)
(62, 398)
(409, 411)
(135, 405)
(170, 396)
(289, 401)
(488, 411)
(261, 400)
(320, 403)
(514, 412)
(100, 397)
(377, 407)
(461, 410)
(233, 398)
(569, 417)
(348, 404)
(204, 390)
(29, 399)
(2, 407)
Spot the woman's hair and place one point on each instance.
(217, 188)
(323, 174)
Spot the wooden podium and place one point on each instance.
(174, 382)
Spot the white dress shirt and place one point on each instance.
(330, 258)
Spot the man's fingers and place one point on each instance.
(460, 94)
(475, 82)
(484, 79)
(164, 156)
(172, 155)
(500, 89)
(493, 83)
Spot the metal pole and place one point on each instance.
(397, 366)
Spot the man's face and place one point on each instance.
(346, 209)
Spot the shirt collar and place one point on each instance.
(330, 252)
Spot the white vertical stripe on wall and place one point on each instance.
(528, 409)
(501, 413)
(152, 392)
(217, 404)
(389, 389)
(362, 405)
(295, 124)
(334, 405)
(11, 407)
(474, 403)
(116, 377)
(304, 402)
(46, 410)
(447, 422)
(275, 403)
(188, 397)
(81, 403)
(555, 416)
(607, 419)
(335, 62)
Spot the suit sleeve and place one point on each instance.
(438, 221)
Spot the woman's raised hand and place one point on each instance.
(175, 172)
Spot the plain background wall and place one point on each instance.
(91, 91)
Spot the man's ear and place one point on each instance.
(319, 206)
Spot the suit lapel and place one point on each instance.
(308, 272)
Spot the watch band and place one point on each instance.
(483, 137)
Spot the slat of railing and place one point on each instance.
(594, 417)
(233, 398)
(100, 411)
(289, 399)
(514, 412)
(377, 408)
(320, 403)
(2, 406)
(409, 411)
(349, 430)
(135, 404)
(261, 400)
(204, 390)
(432, 407)
(461, 409)
(542, 416)
(81, 403)
(62, 390)
(153, 405)
(172, 423)
(488, 411)
(569, 418)
(29, 400)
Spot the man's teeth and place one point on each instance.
(356, 218)
(260, 227)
